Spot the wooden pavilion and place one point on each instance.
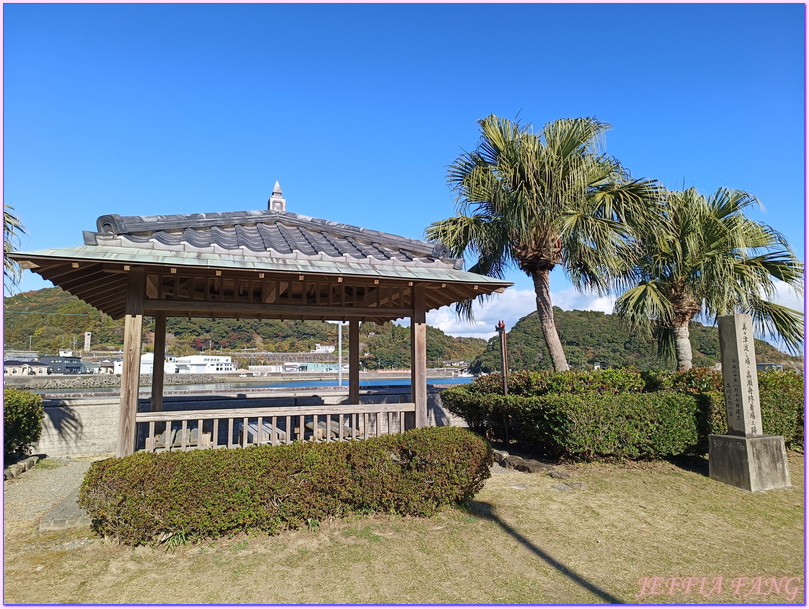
(267, 264)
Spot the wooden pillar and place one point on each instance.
(418, 355)
(354, 361)
(130, 374)
(159, 360)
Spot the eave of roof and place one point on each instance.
(229, 260)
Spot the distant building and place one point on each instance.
(62, 364)
(106, 366)
(22, 356)
(204, 364)
(89, 367)
(147, 365)
(265, 370)
(322, 348)
(14, 367)
(191, 364)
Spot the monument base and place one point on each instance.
(754, 463)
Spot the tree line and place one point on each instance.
(591, 338)
(51, 319)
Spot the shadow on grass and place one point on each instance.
(697, 465)
(485, 510)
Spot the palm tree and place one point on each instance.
(706, 256)
(12, 229)
(537, 201)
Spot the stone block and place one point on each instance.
(512, 462)
(753, 463)
(532, 466)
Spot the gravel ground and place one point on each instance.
(34, 493)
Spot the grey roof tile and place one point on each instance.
(262, 231)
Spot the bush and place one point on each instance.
(22, 421)
(146, 497)
(541, 409)
(542, 382)
(633, 426)
(696, 380)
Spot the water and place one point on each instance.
(236, 385)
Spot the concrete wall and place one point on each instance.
(79, 427)
(84, 427)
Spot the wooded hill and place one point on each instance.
(53, 319)
(590, 336)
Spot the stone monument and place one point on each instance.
(744, 457)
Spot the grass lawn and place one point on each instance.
(520, 541)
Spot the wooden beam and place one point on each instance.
(130, 375)
(86, 292)
(354, 361)
(159, 360)
(292, 310)
(64, 270)
(418, 355)
(88, 280)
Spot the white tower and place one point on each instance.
(277, 202)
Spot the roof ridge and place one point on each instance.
(122, 225)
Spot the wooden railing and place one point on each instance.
(230, 428)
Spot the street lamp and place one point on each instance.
(501, 330)
(339, 351)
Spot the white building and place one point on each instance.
(147, 365)
(204, 364)
(322, 348)
(265, 370)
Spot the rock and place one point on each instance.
(559, 475)
(532, 466)
(512, 462)
(519, 486)
(562, 487)
(499, 456)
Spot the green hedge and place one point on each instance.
(145, 497)
(587, 419)
(22, 421)
(630, 426)
(542, 382)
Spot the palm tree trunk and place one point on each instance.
(682, 346)
(542, 288)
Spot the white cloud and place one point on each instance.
(511, 306)
(572, 300)
(785, 295)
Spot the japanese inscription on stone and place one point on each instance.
(739, 375)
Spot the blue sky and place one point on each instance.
(357, 110)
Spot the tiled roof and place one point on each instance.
(274, 234)
(247, 245)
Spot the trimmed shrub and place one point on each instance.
(22, 421)
(542, 382)
(633, 426)
(676, 414)
(147, 497)
(695, 380)
(782, 405)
